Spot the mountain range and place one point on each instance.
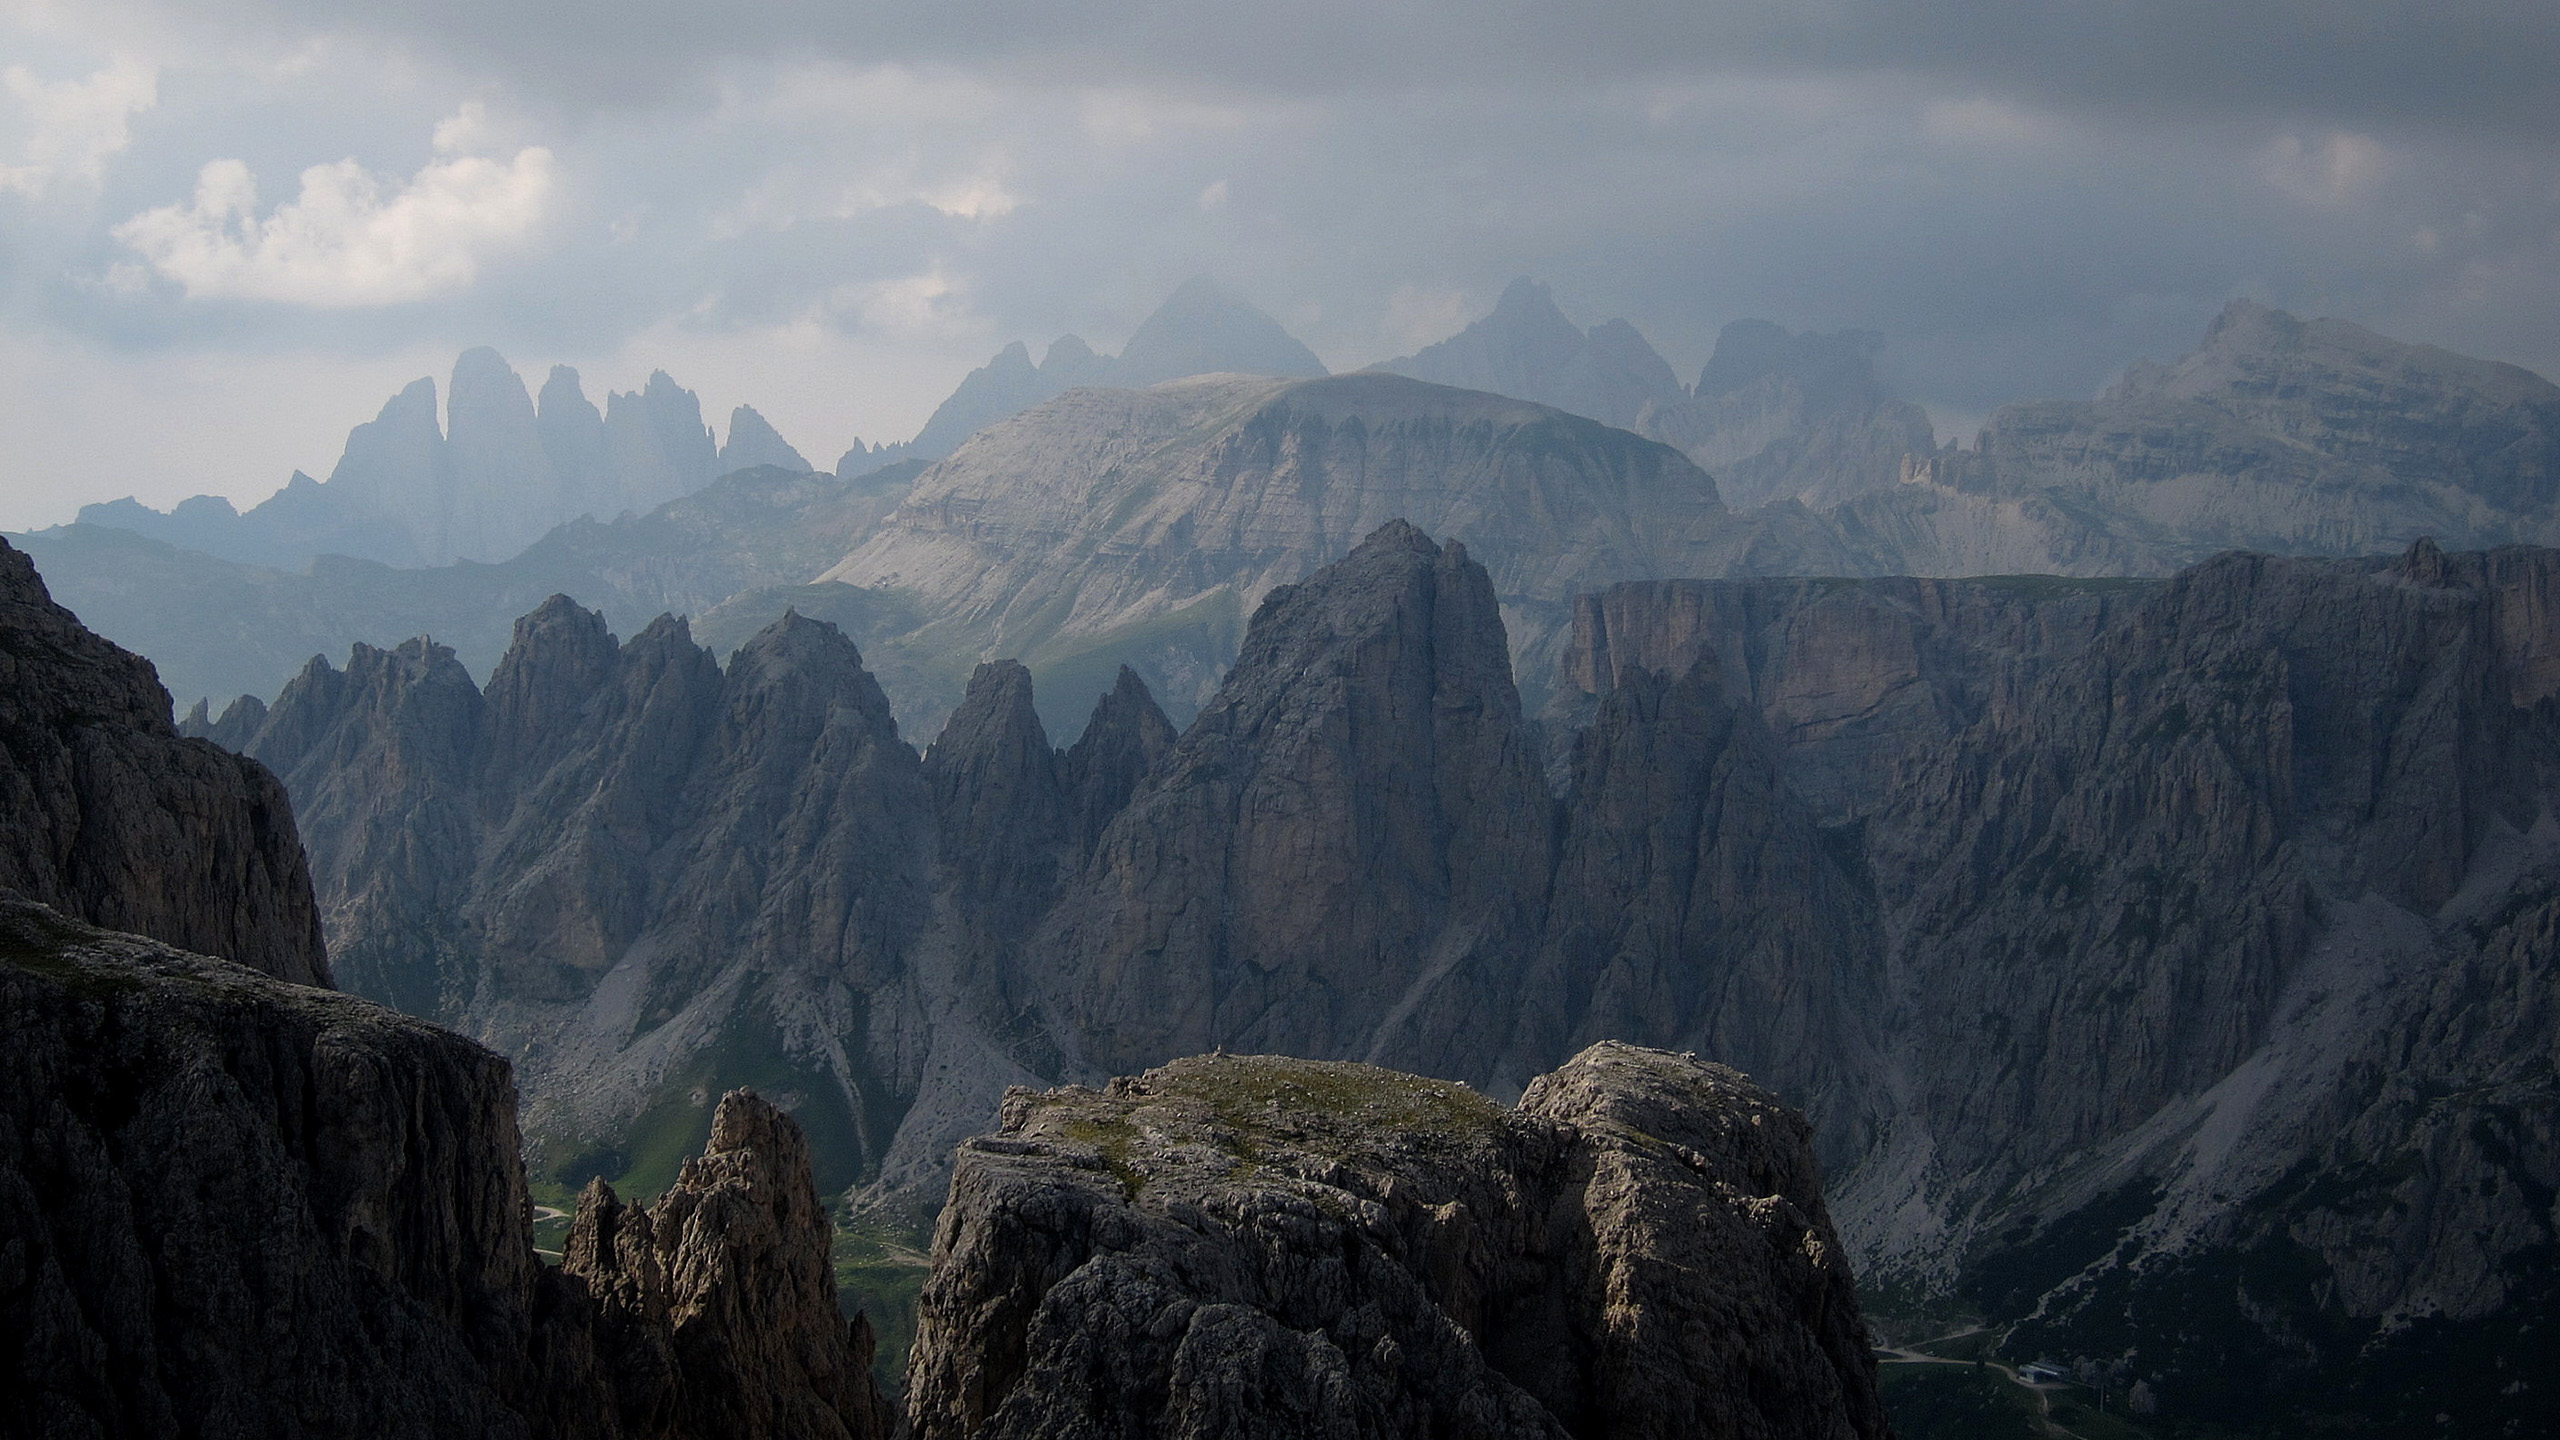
(2160, 960)
(493, 477)
(2277, 434)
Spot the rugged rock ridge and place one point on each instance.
(482, 483)
(733, 555)
(117, 820)
(240, 1207)
(623, 858)
(2179, 891)
(2275, 433)
(648, 879)
(1251, 1246)
(718, 1298)
(1200, 329)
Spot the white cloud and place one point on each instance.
(1214, 195)
(351, 238)
(930, 303)
(2330, 172)
(76, 126)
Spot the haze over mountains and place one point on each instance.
(2275, 434)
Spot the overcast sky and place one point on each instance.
(228, 231)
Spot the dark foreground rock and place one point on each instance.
(1239, 1246)
(231, 1206)
(110, 816)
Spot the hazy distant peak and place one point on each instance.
(1204, 330)
(753, 441)
(482, 362)
(1835, 367)
(1067, 351)
(1529, 349)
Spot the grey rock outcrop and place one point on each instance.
(238, 1207)
(718, 1296)
(117, 820)
(1252, 1246)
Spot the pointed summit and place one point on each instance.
(753, 441)
(1529, 350)
(1203, 330)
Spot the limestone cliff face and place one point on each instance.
(1341, 855)
(1695, 903)
(2201, 910)
(115, 819)
(239, 1207)
(2275, 433)
(1251, 1246)
(1851, 678)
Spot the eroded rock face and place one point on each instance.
(237, 1207)
(115, 819)
(1255, 1246)
(719, 1297)
(2202, 910)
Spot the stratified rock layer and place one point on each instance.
(113, 818)
(1248, 1246)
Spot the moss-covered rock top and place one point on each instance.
(1238, 1117)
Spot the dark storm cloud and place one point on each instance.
(833, 211)
(2478, 64)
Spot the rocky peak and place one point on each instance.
(659, 446)
(1001, 812)
(1526, 348)
(1354, 819)
(728, 1274)
(1261, 1246)
(117, 820)
(1201, 329)
(1694, 904)
(562, 653)
(1126, 738)
(753, 441)
(1833, 370)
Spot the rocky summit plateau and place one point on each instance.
(1256, 1246)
